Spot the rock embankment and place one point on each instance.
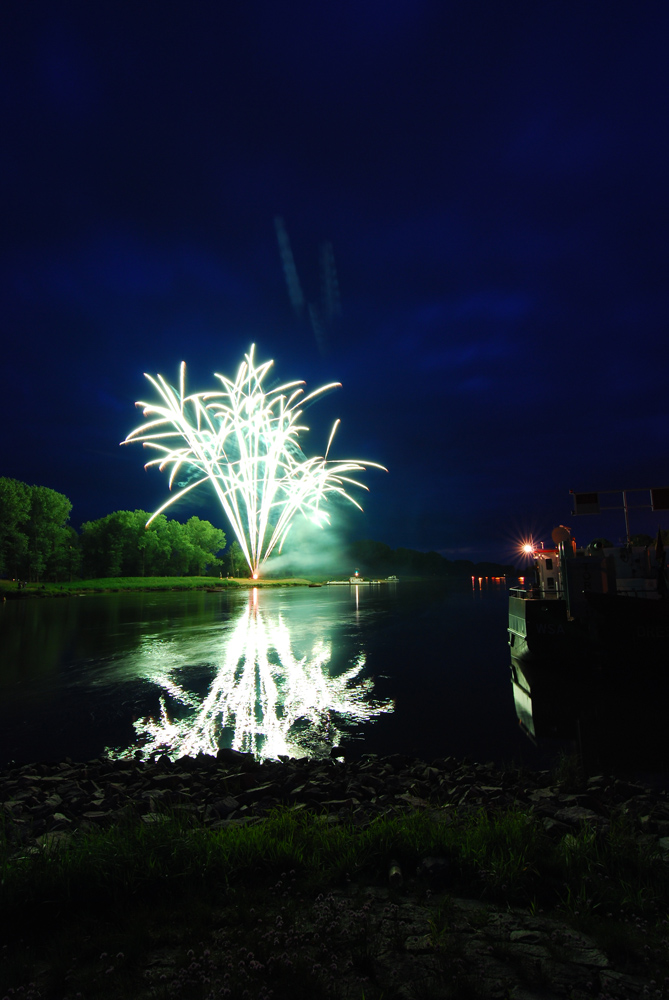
(49, 801)
(414, 940)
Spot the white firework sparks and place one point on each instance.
(269, 699)
(244, 441)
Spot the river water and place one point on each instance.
(412, 668)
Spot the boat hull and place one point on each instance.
(617, 633)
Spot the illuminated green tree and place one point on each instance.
(14, 515)
(206, 542)
(49, 512)
(120, 544)
(235, 559)
(34, 536)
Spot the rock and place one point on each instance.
(528, 937)
(555, 828)
(423, 943)
(223, 807)
(395, 875)
(592, 957)
(236, 821)
(575, 815)
(236, 757)
(54, 839)
(233, 785)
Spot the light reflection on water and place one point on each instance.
(418, 668)
(262, 697)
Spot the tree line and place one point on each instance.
(37, 543)
(121, 544)
(378, 559)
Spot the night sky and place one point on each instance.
(487, 183)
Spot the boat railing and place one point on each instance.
(643, 594)
(536, 594)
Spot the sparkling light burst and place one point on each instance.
(262, 697)
(244, 441)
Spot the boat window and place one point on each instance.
(550, 582)
(549, 564)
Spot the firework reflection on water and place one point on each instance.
(262, 697)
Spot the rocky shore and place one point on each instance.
(49, 801)
(445, 944)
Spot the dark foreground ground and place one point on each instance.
(379, 878)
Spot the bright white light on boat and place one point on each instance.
(526, 546)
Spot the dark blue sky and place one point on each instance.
(492, 178)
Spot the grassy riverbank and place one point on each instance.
(9, 588)
(84, 920)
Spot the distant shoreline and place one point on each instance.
(9, 589)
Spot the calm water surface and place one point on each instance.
(412, 668)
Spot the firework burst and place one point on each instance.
(244, 442)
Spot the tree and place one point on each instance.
(181, 555)
(121, 544)
(433, 563)
(14, 516)
(597, 544)
(33, 531)
(105, 542)
(235, 558)
(373, 557)
(49, 511)
(206, 542)
(65, 562)
(154, 545)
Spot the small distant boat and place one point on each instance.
(356, 579)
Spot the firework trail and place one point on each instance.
(321, 315)
(329, 284)
(289, 269)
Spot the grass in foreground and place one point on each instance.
(91, 912)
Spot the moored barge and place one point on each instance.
(591, 619)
